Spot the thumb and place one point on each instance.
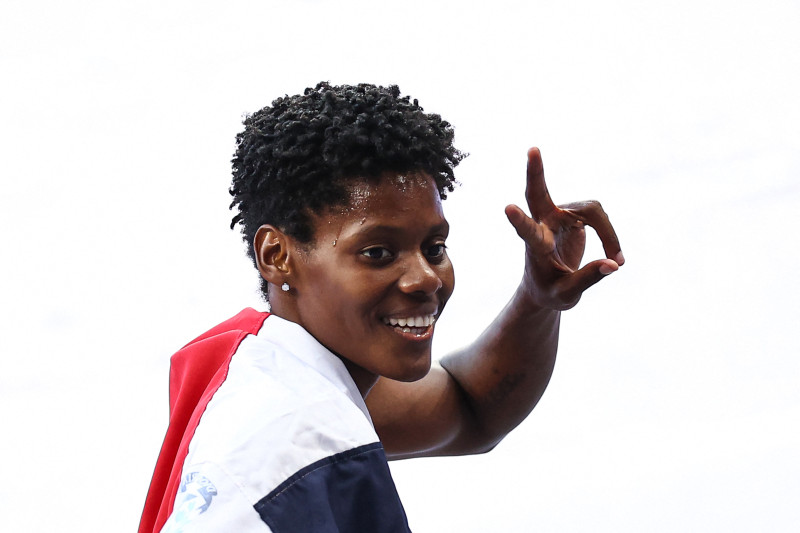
(591, 273)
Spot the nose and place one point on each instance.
(419, 276)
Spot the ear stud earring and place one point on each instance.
(285, 287)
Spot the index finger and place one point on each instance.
(593, 214)
(536, 194)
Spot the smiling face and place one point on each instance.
(375, 279)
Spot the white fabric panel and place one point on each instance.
(286, 403)
(228, 509)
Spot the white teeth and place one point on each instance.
(411, 322)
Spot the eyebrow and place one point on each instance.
(443, 227)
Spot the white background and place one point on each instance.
(675, 402)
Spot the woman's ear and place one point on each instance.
(271, 250)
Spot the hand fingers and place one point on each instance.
(574, 284)
(529, 230)
(566, 286)
(592, 214)
(536, 194)
(517, 217)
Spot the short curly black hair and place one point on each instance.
(295, 157)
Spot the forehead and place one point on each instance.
(363, 193)
(393, 198)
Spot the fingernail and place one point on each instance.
(620, 259)
(606, 269)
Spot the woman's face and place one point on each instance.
(377, 277)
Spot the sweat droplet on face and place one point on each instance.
(360, 195)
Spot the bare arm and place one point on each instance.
(479, 394)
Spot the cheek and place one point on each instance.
(448, 277)
(350, 297)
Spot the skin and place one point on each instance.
(470, 401)
(380, 258)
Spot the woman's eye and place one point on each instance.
(437, 251)
(377, 253)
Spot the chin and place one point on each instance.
(414, 373)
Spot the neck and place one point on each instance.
(364, 379)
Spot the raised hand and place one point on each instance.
(555, 239)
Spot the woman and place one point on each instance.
(283, 421)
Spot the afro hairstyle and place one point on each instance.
(295, 157)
